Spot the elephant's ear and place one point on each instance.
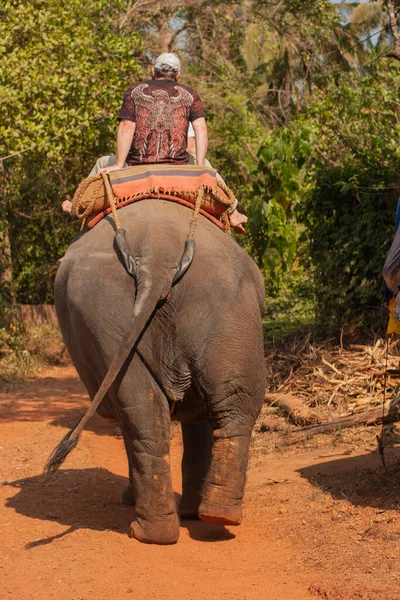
(186, 261)
(130, 262)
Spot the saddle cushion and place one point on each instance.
(167, 181)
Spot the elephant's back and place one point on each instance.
(95, 297)
(158, 229)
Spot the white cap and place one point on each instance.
(168, 60)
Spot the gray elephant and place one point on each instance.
(194, 349)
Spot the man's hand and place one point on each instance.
(112, 168)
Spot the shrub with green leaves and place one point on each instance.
(331, 178)
(64, 68)
(284, 177)
(350, 213)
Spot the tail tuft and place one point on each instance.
(58, 455)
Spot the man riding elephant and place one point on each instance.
(155, 116)
(153, 332)
(153, 125)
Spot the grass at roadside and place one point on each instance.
(290, 305)
(25, 348)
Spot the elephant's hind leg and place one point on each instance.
(235, 392)
(197, 450)
(145, 419)
(128, 496)
(223, 490)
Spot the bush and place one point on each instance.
(291, 308)
(64, 66)
(326, 193)
(350, 213)
(25, 349)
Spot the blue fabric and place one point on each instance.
(387, 292)
(397, 222)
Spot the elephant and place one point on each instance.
(197, 352)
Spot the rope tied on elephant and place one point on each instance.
(85, 199)
(209, 195)
(111, 200)
(193, 222)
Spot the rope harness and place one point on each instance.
(94, 194)
(111, 199)
(120, 234)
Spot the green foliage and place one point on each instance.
(64, 68)
(25, 349)
(290, 308)
(340, 180)
(233, 142)
(350, 213)
(284, 177)
(367, 15)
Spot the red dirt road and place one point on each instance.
(68, 539)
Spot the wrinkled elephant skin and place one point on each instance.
(201, 352)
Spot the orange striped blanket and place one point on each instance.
(161, 178)
(166, 181)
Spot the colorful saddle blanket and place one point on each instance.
(161, 178)
(171, 182)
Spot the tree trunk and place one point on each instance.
(7, 292)
(393, 22)
(369, 417)
(165, 36)
(6, 277)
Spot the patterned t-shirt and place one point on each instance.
(162, 110)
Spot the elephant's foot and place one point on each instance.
(127, 496)
(189, 505)
(218, 507)
(220, 515)
(161, 532)
(189, 512)
(221, 499)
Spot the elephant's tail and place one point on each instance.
(149, 296)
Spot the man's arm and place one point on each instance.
(125, 133)
(201, 137)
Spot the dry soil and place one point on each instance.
(320, 521)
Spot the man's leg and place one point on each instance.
(237, 220)
(102, 163)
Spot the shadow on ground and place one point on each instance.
(62, 401)
(88, 499)
(207, 532)
(361, 480)
(42, 399)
